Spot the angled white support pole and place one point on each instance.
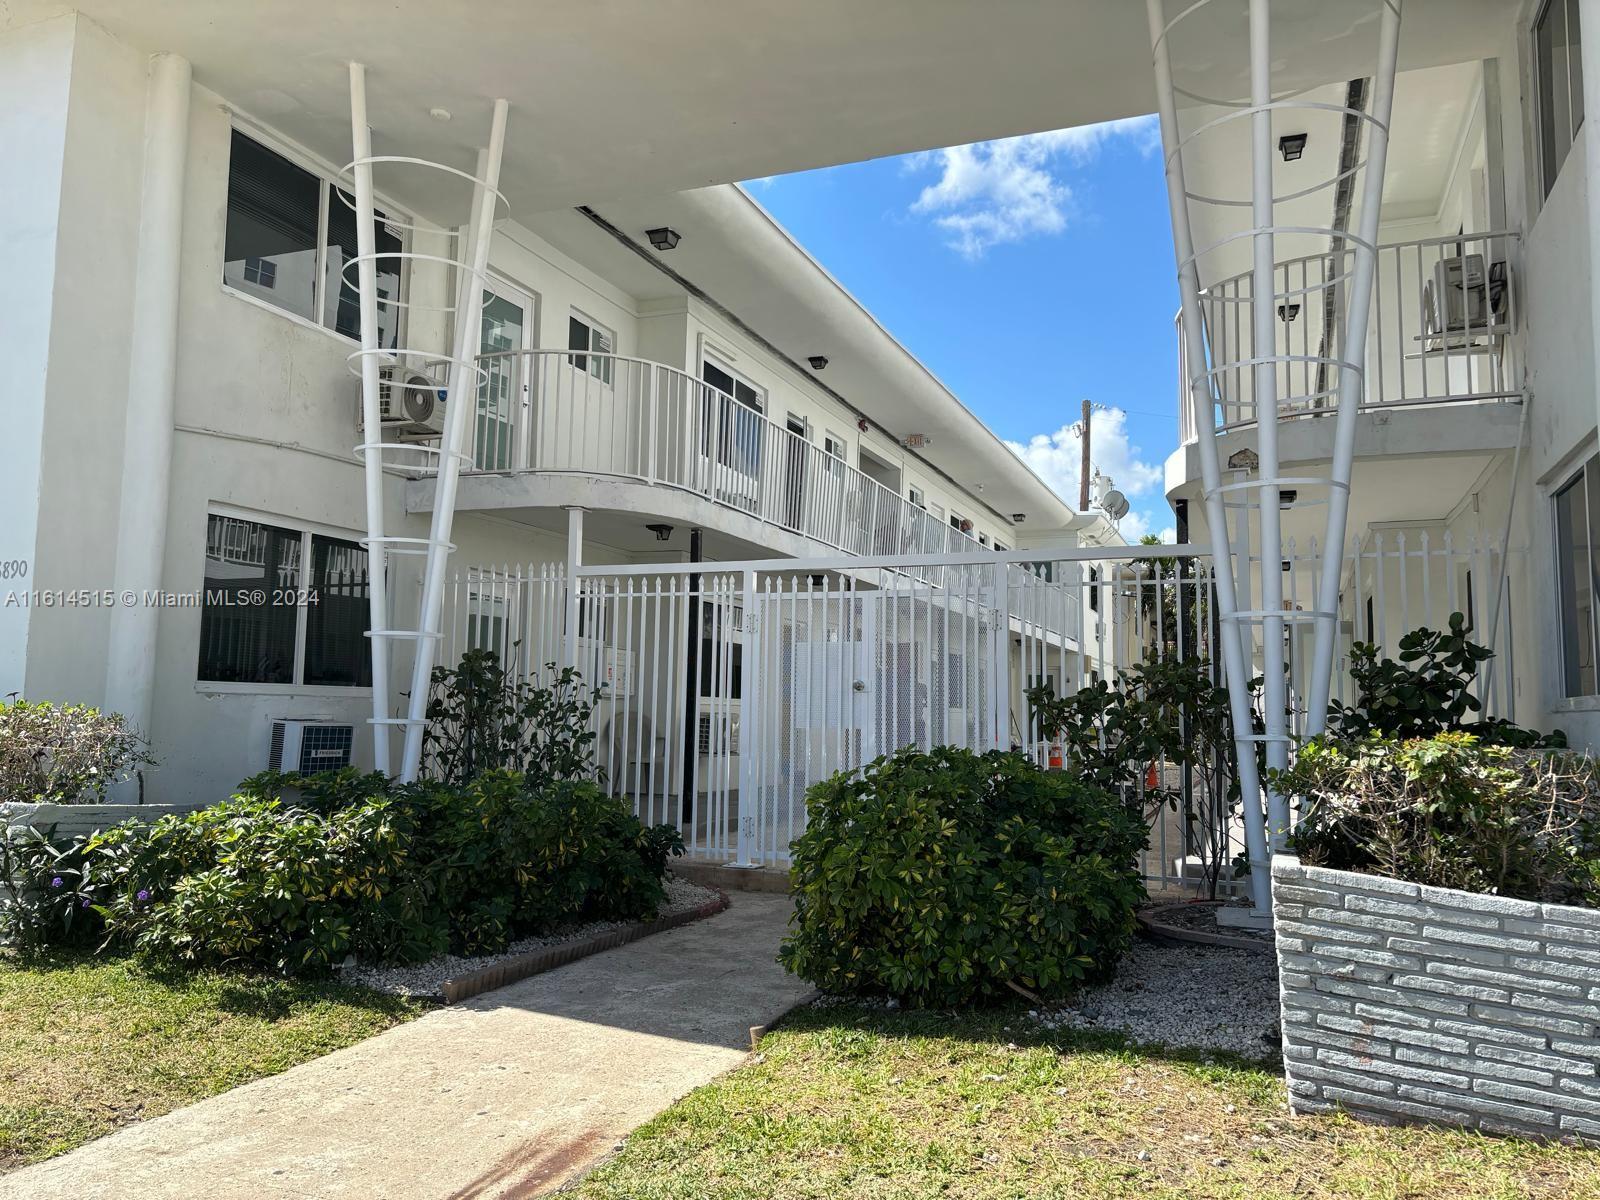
(371, 418)
(1264, 393)
(461, 403)
(1352, 386)
(1234, 658)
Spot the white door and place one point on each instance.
(508, 314)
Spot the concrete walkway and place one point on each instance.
(509, 1094)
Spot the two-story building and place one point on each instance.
(187, 513)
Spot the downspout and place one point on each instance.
(1505, 575)
(1355, 97)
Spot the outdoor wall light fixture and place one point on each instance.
(1288, 312)
(1292, 146)
(1018, 518)
(663, 238)
(662, 532)
(818, 361)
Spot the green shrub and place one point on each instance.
(949, 876)
(43, 898)
(388, 874)
(1451, 811)
(64, 753)
(482, 717)
(1427, 691)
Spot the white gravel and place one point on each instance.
(428, 979)
(1195, 997)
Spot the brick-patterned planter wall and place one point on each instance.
(1403, 1002)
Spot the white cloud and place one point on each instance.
(1004, 191)
(1136, 524)
(1055, 457)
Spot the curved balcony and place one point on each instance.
(562, 412)
(1439, 332)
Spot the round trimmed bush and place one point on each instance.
(947, 876)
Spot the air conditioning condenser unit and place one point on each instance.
(308, 746)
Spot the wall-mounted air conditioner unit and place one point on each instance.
(308, 746)
(1457, 298)
(410, 403)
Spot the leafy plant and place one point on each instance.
(1165, 710)
(482, 717)
(1451, 811)
(1427, 691)
(65, 753)
(294, 874)
(43, 897)
(946, 876)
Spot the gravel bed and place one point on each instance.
(1195, 997)
(427, 979)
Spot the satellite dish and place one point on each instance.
(1115, 504)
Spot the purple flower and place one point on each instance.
(56, 882)
(85, 902)
(142, 896)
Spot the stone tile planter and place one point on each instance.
(1408, 1003)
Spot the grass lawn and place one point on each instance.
(857, 1102)
(89, 1045)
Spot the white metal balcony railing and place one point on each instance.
(1442, 313)
(560, 411)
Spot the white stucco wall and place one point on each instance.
(35, 74)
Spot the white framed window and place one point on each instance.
(734, 409)
(937, 510)
(585, 333)
(835, 445)
(283, 605)
(289, 234)
(1577, 533)
(1000, 548)
(956, 519)
(983, 540)
(1558, 84)
(915, 495)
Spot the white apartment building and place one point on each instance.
(185, 536)
(179, 322)
(1470, 481)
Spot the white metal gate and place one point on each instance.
(728, 689)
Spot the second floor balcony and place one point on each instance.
(584, 415)
(1441, 331)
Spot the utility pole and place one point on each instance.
(1083, 469)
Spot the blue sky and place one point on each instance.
(1029, 274)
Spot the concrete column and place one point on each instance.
(152, 380)
(574, 561)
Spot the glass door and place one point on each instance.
(503, 396)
